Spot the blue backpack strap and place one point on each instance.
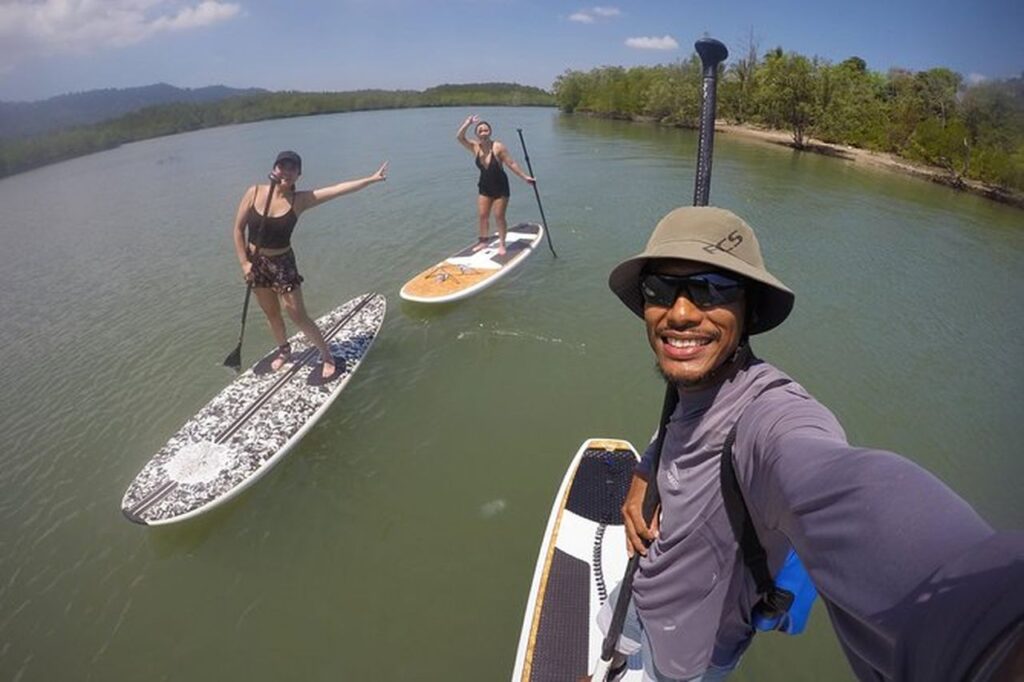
(775, 601)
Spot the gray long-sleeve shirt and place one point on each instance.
(870, 526)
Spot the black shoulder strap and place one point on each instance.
(668, 406)
(754, 555)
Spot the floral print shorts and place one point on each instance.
(279, 273)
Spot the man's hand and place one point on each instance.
(638, 533)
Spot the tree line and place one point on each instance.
(21, 154)
(969, 130)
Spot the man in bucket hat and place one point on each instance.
(878, 535)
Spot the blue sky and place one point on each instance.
(52, 47)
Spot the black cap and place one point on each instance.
(289, 156)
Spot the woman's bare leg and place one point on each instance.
(500, 206)
(272, 309)
(483, 214)
(296, 309)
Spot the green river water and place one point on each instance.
(398, 540)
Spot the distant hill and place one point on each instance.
(510, 93)
(22, 153)
(20, 119)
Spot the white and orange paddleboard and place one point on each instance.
(473, 269)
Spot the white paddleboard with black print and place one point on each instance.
(582, 557)
(250, 425)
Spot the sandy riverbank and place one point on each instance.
(863, 157)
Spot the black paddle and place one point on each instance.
(712, 53)
(536, 192)
(234, 358)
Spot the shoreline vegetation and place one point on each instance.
(20, 154)
(928, 124)
(873, 159)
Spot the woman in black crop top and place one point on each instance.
(493, 184)
(266, 256)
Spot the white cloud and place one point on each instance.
(30, 28)
(587, 16)
(975, 78)
(652, 43)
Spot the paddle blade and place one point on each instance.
(234, 359)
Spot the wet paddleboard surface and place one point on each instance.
(250, 425)
(473, 269)
(582, 558)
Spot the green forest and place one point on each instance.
(21, 154)
(933, 117)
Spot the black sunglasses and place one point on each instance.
(705, 289)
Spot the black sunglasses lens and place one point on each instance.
(701, 292)
(657, 291)
(704, 290)
(721, 290)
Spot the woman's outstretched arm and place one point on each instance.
(306, 200)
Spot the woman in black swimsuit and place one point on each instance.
(493, 184)
(267, 259)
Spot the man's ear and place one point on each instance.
(750, 314)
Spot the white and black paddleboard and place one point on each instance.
(474, 268)
(582, 557)
(250, 425)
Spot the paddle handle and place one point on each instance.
(275, 180)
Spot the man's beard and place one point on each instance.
(682, 383)
(738, 357)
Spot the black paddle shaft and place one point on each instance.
(650, 506)
(536, 192)
(234, 358)
(712, 53)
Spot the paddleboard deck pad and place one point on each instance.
(250, 425)
(473, 269)
(582, 558)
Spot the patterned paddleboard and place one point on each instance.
(250, 425)
(582, 557)
(469, 271)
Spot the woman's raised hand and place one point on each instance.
(381, 173)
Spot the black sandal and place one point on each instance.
(316, 375)
(284, 354)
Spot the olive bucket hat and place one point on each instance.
(721, 239)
